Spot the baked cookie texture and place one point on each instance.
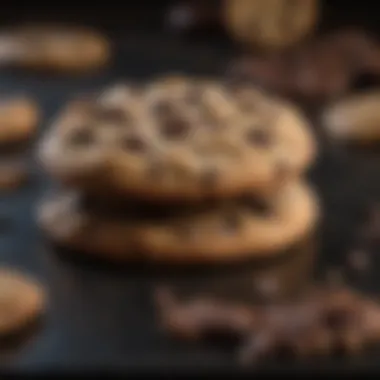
(270, 24)
(224, 231)
(178, 138)
(54, 48)
(22, 300)
(19, 117)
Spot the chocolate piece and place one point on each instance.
(82, 137)
(133, 144)
(259, 137)
(198, 318)
(175, 128)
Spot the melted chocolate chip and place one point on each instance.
(257, 205)
(133, 144)
(175, 128)
(82, 136)
(259, 137)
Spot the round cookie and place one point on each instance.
(270, 24)
(22, 300)
(18, 119)
(220, 232)
(178, 138)
(54, 47)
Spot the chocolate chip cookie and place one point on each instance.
(178, 138)
(54, 48)
(220, 232)
(355, 119)
(22, 300)
(18, 119)
(270, 24)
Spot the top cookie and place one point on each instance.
(178, 138)
(53, 47)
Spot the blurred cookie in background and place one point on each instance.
(22, 300)
(355, 119)
(19, 116)
(270, 24)
(52, 47)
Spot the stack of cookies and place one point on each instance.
(181, 170)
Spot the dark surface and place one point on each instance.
(102, 318)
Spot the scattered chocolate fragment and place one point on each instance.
(322, 69)
(327, 321)
(198, 318)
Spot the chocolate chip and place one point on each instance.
(82, 136)
(256, 205)
(133, 144)
(175, 128)
(259, 137)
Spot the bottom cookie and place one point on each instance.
(227, 231)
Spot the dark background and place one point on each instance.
(101, 318)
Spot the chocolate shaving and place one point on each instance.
(202, 317)
(329, 321)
